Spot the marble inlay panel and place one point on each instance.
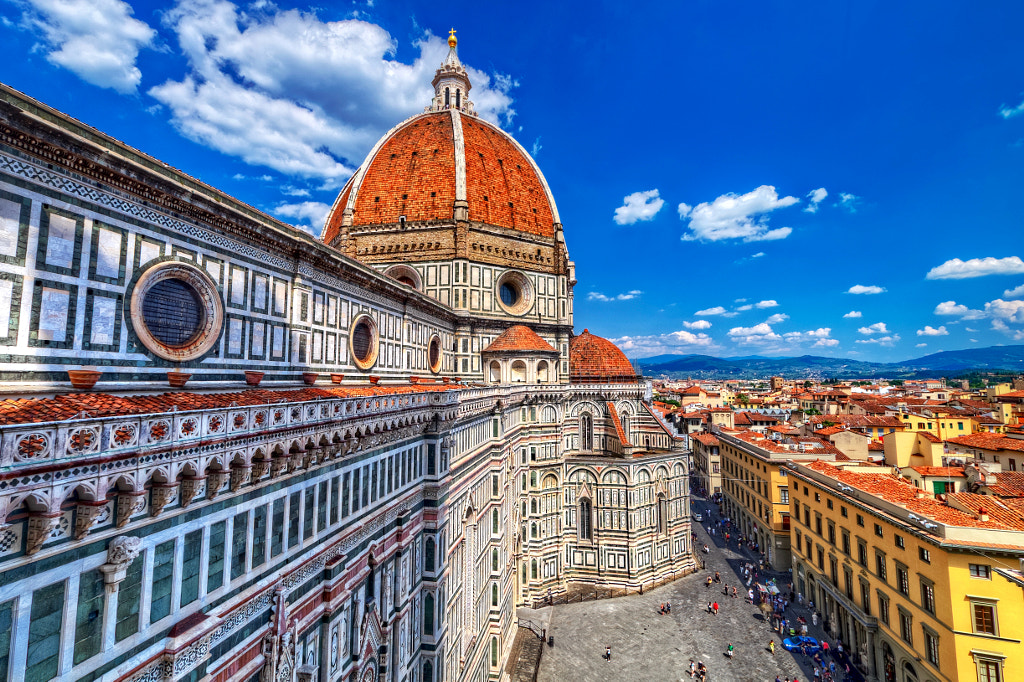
(104, 312)
(60, 241)
(10, 224)
(108, 254)
(53, 315)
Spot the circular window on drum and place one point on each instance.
(515, 293)
(434, 353)
(363, 342)
(176, 311)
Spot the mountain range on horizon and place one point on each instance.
(944, 363)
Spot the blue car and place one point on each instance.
(795, 643)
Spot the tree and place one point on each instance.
(808, 384)
(742, 398)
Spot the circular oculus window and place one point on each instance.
(363, 342)
(434, 353)
(515, 293)
(176, 311)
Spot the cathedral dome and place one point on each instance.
(430, 164)
(593, 359)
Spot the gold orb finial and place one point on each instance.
(452, 42)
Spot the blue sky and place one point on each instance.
(735, 178)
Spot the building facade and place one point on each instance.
(428, 444)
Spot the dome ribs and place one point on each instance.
(412, 175)
(501, 185)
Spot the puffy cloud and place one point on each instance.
(638, 206)
(757, 255)
(853, 314)
(920, 345)
(732, 216)
(312, 213)
(767, 304)
(961, 311)
(97, 40)
(717, 310)
(656, 344)
(777, 318)
(1014, 293)
(745, 308)
(849, 202)
(882, 340)
(1010, 112)
(815, 197)
(759, 334)
(1009, 311)
(820, 336)
(629, 295)
(862, 289)
(827, 343)
(305, 97)
(976, 267)
(698, 324)
(932, 331)
(876, 328)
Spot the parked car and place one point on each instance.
(795, 643)
(697, 516)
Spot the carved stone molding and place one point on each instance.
(121, 552)
(162, 494)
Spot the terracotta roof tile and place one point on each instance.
(519, 338)
(593, 359)
(990, 441)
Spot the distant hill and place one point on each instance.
(946, 363)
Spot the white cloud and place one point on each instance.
(698, 324)
(961, 311)
(932, 331)
(757, 255)
(97, 40)
(313, 213)
(820, 336)
(759, 334)
(638, 206)
(1009, 311)
(303, 96)
(976, 267)
(537, 146)
(882, 340)
(849, 202)
(862, 289)
(876, 328)
(732, 216)
(920, 345)
(629, 295)
(853, 314)
(777, 318)
(815, 197)
(827, 343)
(1014, 293)
(745, 308)
(1010, 112)
(767, 304)
(717, 310)
(656, 344)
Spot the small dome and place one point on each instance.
(519, 338)
(595, 360)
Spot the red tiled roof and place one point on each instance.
(413, 174)
(592, 358)
(706, 438)
(519, 338)
(620, 432)
(944, 472)
(693, 390)
(1008, 484)
(874, 446)
(989, 441)
(856, 420)
(69, 406)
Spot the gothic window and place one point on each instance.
(428, 614)
(494, 594)
(662, 514)
(494, 560)
(586, 432)
(458, 99)
(533, 569)
(586, 532)
(533, 530)
(447, 97)
(428, 555)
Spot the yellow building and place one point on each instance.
(707, 463)
(756, 492)
(917, 590)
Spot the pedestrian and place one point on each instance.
(693, 668)
(668, 608)
(771, 646)
(824, 646)
(607, 653)
(814, 618)
(715, 608)
(750, 595)
(734, 595)
(726, 590)
(730, 651)
(661, 609)
(709, 607)
(708, 582)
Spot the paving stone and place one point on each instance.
(649, 646)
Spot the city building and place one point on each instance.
(917, 589)
(378, 443)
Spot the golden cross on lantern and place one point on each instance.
(452, 42)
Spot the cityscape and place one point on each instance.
(395, 343)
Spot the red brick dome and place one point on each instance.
(426, 164)
(596, 360)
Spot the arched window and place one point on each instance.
(494, 521)
(533, 530)
(533, 506)
(447, 97)
(428, 672)
(586, 432)
(494, 652)
(494, 560)
(428, 555)
(494, 594)
(370, 591)
(625, 427)
(586, 530)
(662, 514)
(518, 372)
(458, 98)
(542, 372)
(428, 614)
(533, 569)
(495, 372)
